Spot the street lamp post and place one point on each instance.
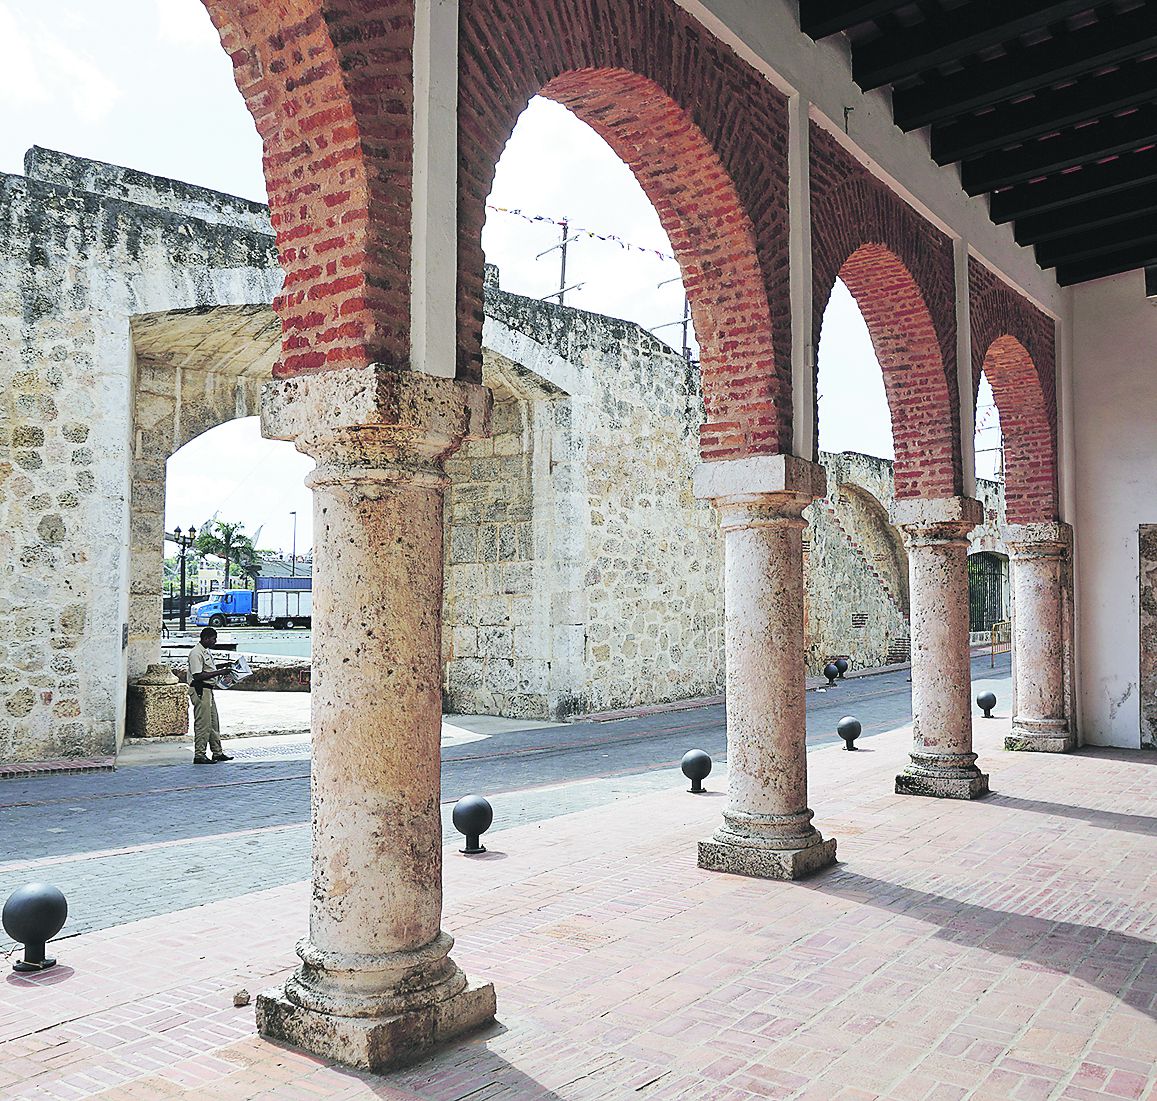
(293, 553)
(184, 542)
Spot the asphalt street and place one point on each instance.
(155, 839)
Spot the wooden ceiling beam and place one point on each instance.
(1083, 145)
(1098, 243)
(1090, 183)
(1045, 113)
(1112, 41)
(1102, 210)
(1140, 256)
(953, 36)
(820, 18)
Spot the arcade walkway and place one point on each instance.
(1000, 949)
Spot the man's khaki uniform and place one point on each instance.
(206, 724)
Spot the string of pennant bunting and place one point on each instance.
(574, 231)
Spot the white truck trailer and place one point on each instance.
(285, 607)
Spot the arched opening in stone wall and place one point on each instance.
(989, 593)
(194, 370)
(231, 484)
(662, 97)
(581, 575)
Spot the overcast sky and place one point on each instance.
(145, 83)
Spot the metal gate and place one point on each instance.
(985, 591)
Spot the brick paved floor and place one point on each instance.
(999, 949)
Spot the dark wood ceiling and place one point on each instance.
(1048, 106)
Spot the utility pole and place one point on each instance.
(564, 241)
(293, 553)
(686, 322)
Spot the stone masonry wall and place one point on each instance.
(857, 570)
(75, 265)
(582, 575)
(489, 614)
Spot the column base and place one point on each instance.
(719, 856)
(1040, 737)
(374, 1043)
(964, 786)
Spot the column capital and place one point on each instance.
(374, 416)
(937, 519)
(1050, 539)
(781, 486)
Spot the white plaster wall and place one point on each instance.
(1114, 387)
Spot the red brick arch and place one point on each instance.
(901, 272)
(904, 340)
(330, 89)
(1014, 344)
(705, 136)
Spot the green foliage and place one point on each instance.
(228, 541)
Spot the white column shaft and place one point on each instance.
(766, 711)
(942, 763)
(1039, 567)
(377, 844)
(941, 664)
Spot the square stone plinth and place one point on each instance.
(374, 1043)
(717, 856)
(1021, 741)
(943, 787)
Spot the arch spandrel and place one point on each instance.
(330, 93)
(664, 95)
(925, 434)
(1014, 344)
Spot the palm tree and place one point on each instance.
(228, 541)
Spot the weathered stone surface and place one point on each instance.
(767, 822)
(158, 705)
(84, 248)
(1041, 572)
(569, 528)
(936, 531)
(375, 1043)
(376, 982)
(767, 863)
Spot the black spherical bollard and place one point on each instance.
(849, 729)
(986, 701)
(842, 666)
(32, 916)
(696, 767)
(831, 671)
(472, 816)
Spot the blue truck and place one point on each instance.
(277, 601)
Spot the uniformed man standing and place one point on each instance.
(206, 725)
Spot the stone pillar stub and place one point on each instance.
(158, 705)
(1040, 556)
(766, 829)
(376, 985)
(936, 533)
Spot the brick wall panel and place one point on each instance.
(1014, 344)
(706, 137)
(329, 86)
(901, 272)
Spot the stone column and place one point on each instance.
(1039, 557)
(376, 982)
(936, 533)
(766, 829)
